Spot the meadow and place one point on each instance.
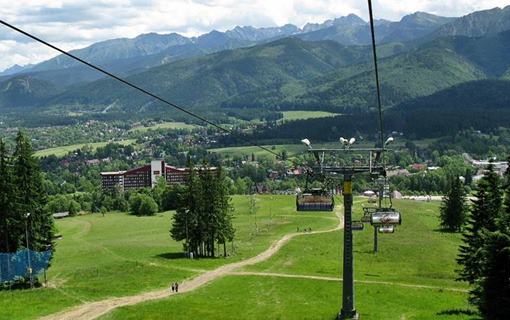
(411, 277)
(64, 150)
(119, 255)
(300, 115)
(164, 125)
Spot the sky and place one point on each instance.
(79, 23)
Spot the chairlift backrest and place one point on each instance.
(386, 218)
(386, 229)
(315, 200)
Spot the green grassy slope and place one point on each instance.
(64, 150)
(254, 297)
(120, 255)
(417, 254)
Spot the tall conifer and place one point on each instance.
(30, 198)
(492, 290)
(453, 209)
(6, 205)
(483, 216)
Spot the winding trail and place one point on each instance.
(96, 309)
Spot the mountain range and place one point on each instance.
(323, 66)
(128, 56)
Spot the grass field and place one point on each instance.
(164, 125)
(412, 276)
(415, 255)
(251, 297)
(62, 151)
(299, 115)
(398, 253)
(258, 152)
(120, 255)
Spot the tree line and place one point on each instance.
(204, 212)
(22, 200)
(484, 255)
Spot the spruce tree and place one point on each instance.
(204, 215)
(223, 210)
(30, 198)
(6, 205)
(453, 208)
(492, 290)
(504, 221)
(186, 219)
(483, 216)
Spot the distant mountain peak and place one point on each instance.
(480, 23)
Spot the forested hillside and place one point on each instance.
(478, 105)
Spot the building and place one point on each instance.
(143, 177)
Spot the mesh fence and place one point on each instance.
(18, 264)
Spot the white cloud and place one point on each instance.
(77, 23)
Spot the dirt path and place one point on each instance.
(299, 276)
(96, 309)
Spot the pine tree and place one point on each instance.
(6, 193)
(492, 290)
(185, 222)
(504, 221)
(453, 208)
(483, 216)
(495, 199)
(30, 198)
(204, 216)
(223, 209)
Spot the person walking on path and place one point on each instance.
(176, 287)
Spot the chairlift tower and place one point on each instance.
(373, 166)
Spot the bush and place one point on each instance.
(142, 205)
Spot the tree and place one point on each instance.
(7, 238)
(186, 219)
(453, 208)
(204, 216)
(492, 290)
(483, 216)
(222, 210)
(172, 197)
(30, 198)
(504, 221)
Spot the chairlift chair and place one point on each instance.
(386, 229)
(357, 226)
(386, 217)
(315, 199)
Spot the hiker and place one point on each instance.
(173, 287)
(176, 287)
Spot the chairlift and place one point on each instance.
(367, 214)
(315, 199)
(357, 226)
(386, 217)
(386, 229)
